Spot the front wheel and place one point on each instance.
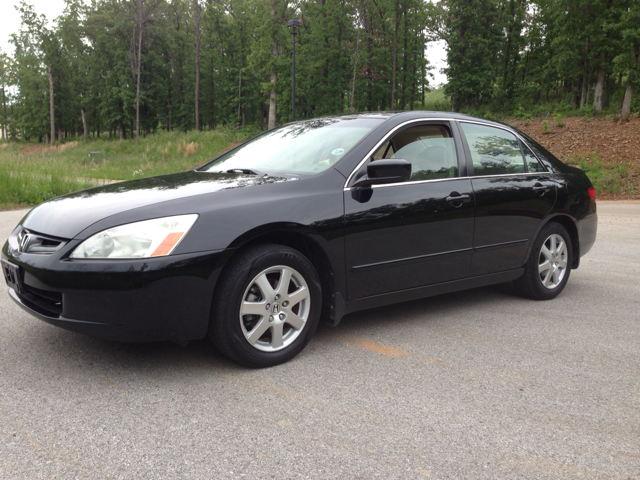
(266, 307)
(547, 270)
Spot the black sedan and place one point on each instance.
(311, 220)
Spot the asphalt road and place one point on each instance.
(480, 384)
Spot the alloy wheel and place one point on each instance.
(552, 262)
(275, 308)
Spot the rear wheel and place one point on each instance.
(266, 307)
(549, 265)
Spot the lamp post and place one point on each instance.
(293, 24)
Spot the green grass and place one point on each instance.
(612, 179)
(435, 100)
(32, 173)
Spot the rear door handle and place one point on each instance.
(541, 189)
(455, 197)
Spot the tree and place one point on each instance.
(472, 37)
(197, 18)
(278, 16)
(33, 79)
(628, 59)
(4, 67)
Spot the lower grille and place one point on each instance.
(45, 302)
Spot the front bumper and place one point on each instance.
(142, 300)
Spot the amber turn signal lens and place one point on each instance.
(167, 244)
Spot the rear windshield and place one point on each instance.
(305, 148)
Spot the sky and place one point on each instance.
(10, 23)
(10, 17)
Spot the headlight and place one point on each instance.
(151, 238)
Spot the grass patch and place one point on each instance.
(24, 189)
(435, 100)
(32, 173)
(612, 178)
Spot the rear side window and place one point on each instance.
(533, 164)
(493, 151)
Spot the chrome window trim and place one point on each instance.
(510, 175)
(419, 120)
(417, 182)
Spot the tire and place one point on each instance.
(256, 319)
(547, 270)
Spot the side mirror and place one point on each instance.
(379, 172)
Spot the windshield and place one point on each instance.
(301, 148)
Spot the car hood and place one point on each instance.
(68, 215)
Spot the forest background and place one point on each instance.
(124, 69)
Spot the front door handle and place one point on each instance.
(457, 200)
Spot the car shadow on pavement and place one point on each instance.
(60, 350)
(431, 309)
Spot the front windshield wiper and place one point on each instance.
(246, 171)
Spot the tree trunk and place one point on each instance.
(272, 97)
(395, 58)
(139, 61)
(51, 110)
(507, 55)
(274, 75)
(5, 132)
(84, 124)
(575, 98)
(198, 13)
(212, 100)
(121, 132)
(177, 68)
(355, 66)
(585, 76)
(405, 55)
(607, 92)
(625, 114)
(601, 76)
(240, 95)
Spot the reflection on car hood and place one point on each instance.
(68, 215)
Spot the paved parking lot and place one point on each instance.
(480, 384)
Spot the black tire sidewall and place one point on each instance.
(227, 305)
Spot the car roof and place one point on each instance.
(397, 116)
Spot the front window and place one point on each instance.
(429, 148)
(303, 148)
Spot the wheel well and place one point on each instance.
(310, 249)
(570, 226)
